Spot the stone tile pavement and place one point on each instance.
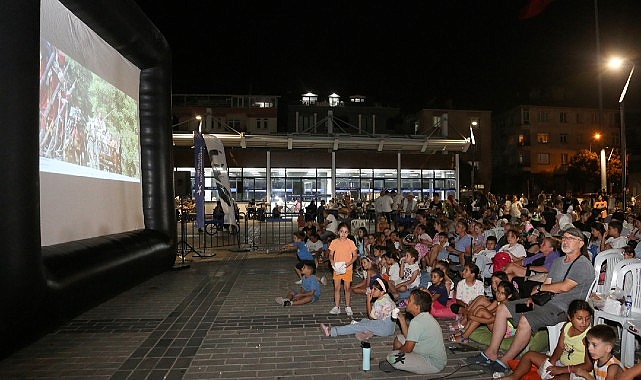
(216, 319)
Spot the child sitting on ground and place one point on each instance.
(445, 267)
(379, 309)
(391, 272)
(310, 288)
(437, 290)
(371, 273)
(419, 348)
(315, 247)
(485, 314)
(570, 353)
(410, 272)
(302, 253)
(601, 340)
(438, 250)
(382, 224)
(467, 289)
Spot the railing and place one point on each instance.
(262, 232)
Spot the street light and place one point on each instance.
(617, 63)
(473, 124)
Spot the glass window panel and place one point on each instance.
(385, 173)
(324, 173)
(309, 173)
(428, 173)
(405, 173)
(254, 172)
(391, 183)
(367, 173)
(347, 172)
(439, 184)
(278, 172)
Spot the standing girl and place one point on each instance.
(379, 311)
(342, 254)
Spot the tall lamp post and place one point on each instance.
(473, 124)
(617, 63)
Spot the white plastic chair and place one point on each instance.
(618, 269)
(611, 257)
(357, 223)
(554, 333)
(627, 337)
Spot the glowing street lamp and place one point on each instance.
(617, 63)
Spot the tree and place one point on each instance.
(583, 170)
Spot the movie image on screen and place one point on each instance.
(89, 132)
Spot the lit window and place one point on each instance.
(543, 138)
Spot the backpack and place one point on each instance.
(500, 260)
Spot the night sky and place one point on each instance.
(414, 54)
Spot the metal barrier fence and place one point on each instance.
(253, 233)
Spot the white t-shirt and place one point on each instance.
(394, 273)
(332, 223)
(467, 293)
(313, 247)
(408, 270)
(517, 250)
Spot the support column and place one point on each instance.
(268, 173)
(297, 127)
(333, 184)
(602, 162)
(457, 176)
(398, 173)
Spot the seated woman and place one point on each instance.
(371, 273)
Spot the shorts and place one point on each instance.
(539, 317)
(347, 276)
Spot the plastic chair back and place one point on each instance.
(611, 257)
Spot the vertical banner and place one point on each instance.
(216, 152)
(199, 179)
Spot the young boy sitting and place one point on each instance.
(420, 348)
(310, 288)
(302, 252)
(484, 258)
(601, 340)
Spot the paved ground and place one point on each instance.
(216, 319)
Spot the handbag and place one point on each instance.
(542, 297)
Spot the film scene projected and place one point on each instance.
(88, 127)
(89, 132)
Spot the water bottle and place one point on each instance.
(366, 355)
(628, 305)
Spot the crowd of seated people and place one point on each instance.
(548, 245)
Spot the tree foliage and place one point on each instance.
(584, 170)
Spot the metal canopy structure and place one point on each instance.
(380, 143)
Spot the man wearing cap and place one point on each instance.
(570, 278)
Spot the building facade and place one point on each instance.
(534, 144)
(330, 148)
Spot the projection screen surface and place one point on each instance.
(90, 181)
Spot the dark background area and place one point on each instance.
(413, 54)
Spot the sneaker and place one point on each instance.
(287, 303)
(498, 366)
(326, 329)
(348, 311)
(481, 358)
(299, 282)
(280, 300)
(335, 310)
(386, 366)
(323, 280)
(353, 322)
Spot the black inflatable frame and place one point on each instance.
(42, 286)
